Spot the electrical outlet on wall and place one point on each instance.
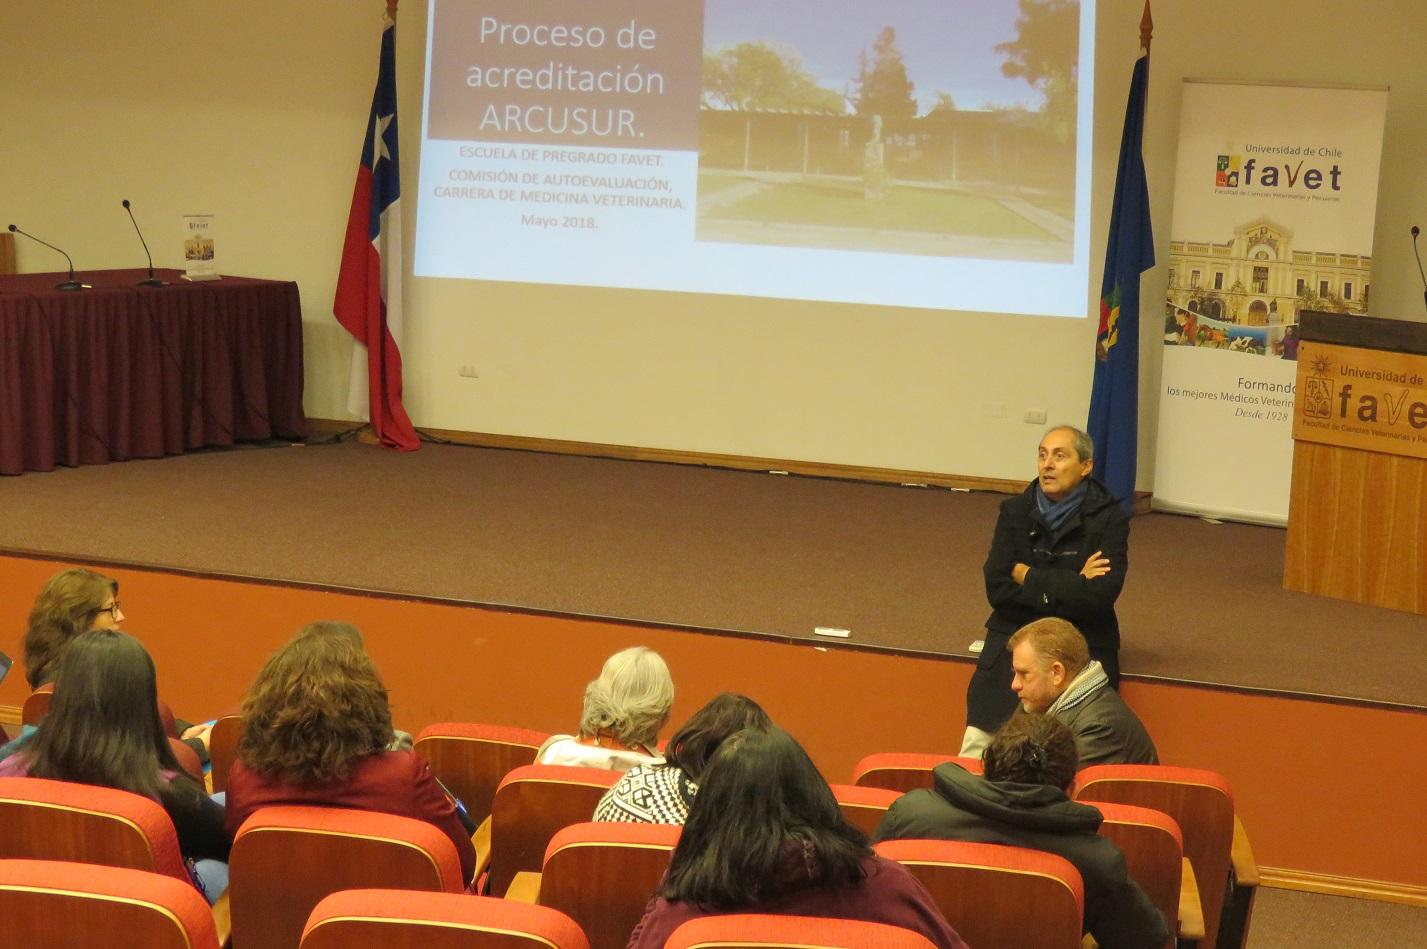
(467, 372)
(1035, 416)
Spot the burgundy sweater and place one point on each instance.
(889, 894)
(391, 782)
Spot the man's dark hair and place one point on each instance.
(1033, 749)
(694, 744)
(764, 823)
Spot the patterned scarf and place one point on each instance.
(1090, 681)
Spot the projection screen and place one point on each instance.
(918, 153)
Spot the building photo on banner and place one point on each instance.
(1274, 204)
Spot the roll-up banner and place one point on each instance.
(1274, 200)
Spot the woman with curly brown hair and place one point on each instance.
(316, 732)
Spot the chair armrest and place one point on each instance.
(1191, 910)
(1241, 856)
(481, 840)
(524, 887)
(223, 918)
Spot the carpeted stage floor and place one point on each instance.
(696, 547)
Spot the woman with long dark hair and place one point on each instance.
(317, 730)
(765, 835)
(661, 793)
(104, 729)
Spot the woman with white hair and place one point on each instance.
(623, 712)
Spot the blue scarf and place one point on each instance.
(1056, 513)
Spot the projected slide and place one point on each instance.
(922, 153)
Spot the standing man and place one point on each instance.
(1061, 548)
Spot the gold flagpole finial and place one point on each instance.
(1146, 28)
(391, 9)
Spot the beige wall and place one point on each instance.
(254, 111)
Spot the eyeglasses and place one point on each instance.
(113, 609)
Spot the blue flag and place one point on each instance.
(1129, 252)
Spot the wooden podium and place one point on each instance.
(1357, 512)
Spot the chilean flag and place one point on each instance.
(368, 299)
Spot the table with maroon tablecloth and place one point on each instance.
(121, 371)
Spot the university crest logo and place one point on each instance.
(1226, 171)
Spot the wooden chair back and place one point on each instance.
(471, 759)
(80, 823)
(187, 759)
(863, 807)
(401, 919)
(62, 905)
(1154, 853)
(37, 705)
(904, 771)
(223, 749)
(602, 875)
(1199, 801)
(992, 895)
(531, 805)
(286, 859)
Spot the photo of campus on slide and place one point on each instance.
(1244, 294)
(907, 126)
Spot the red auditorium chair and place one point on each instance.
(531, 804)
(400, 919)
(37, 706)
(80, 823)
(601, 875)
(187, 760)
(1006, 897)
(863, 807)
(1202, 803)
(904, 771)
(1154, 855)
(61, 905)
(471, 759)
(223, 750)
(740, 931)
(286, 859)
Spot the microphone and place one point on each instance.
(71, 283)
(152, 281)
(1415, 231)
